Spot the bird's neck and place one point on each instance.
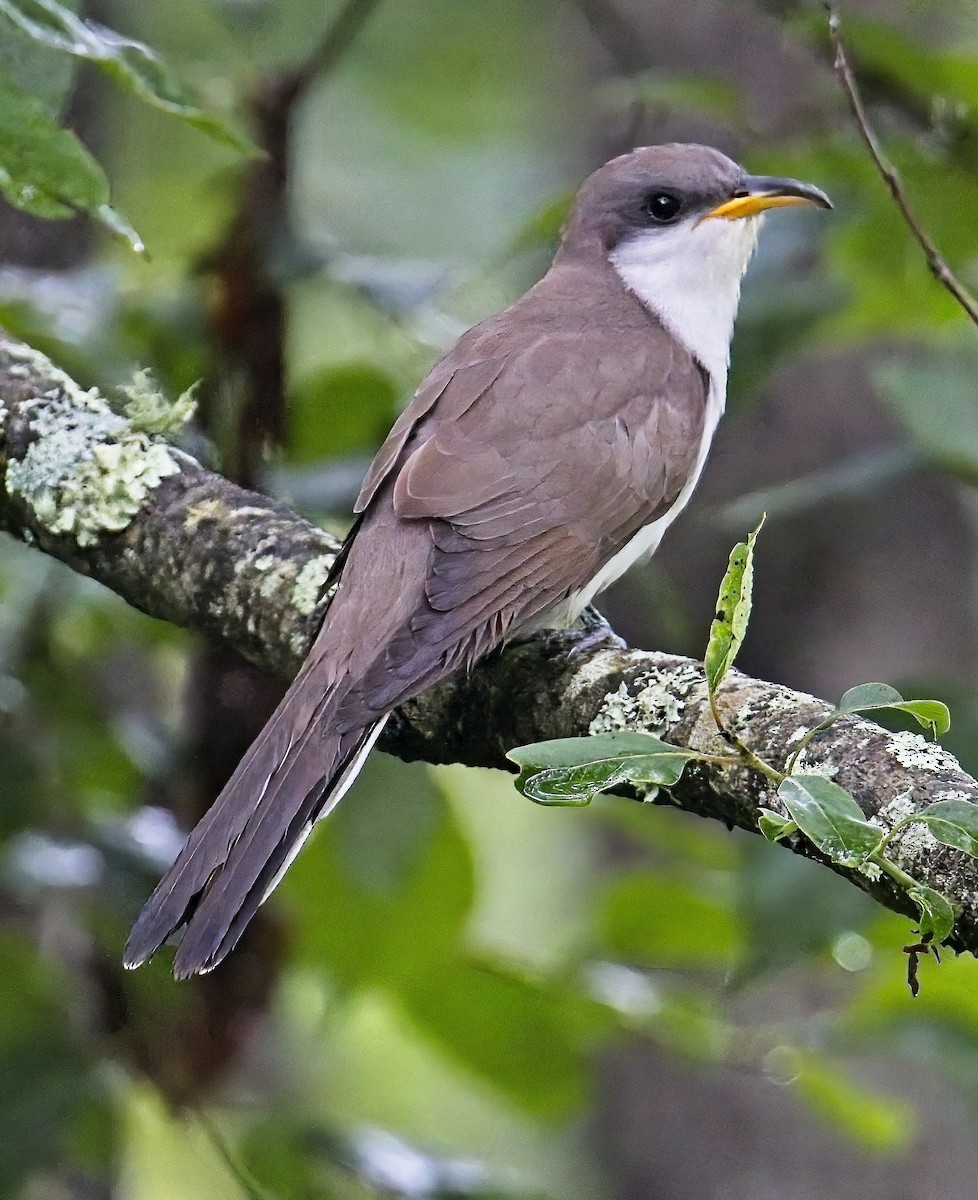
(692, 283)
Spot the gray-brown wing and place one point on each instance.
(530, 491)
(457, 388)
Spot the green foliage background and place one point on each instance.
(448, 991)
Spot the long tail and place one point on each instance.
(242, 847)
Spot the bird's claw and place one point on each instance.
(589, 632)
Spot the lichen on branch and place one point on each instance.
(86, 470)
(98, 490)
(247, 571)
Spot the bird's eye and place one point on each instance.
(662, 207)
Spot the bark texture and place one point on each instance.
(98, 490)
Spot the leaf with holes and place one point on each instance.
(733, 612)
(828, 816)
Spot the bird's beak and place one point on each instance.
(759, 192)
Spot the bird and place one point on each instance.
(544, 454)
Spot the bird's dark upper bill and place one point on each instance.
(759, 192)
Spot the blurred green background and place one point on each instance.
(456, 993)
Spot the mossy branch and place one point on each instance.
(87, 486)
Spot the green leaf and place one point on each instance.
(878, 1123)
(828, 816)
(654, 919)
(872, 697)
(774, 826)
(339, 410)
(953, 822)
(733, 612)
(131, 64)
(933, 715)
(571, 787)
(45, 169)
(936, 913)
(526, 1038)
(578, 751)
(35, 68)
(571, 771)
(868, 695)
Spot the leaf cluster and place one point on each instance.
(574, 770)
(44, 168)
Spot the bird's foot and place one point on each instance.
(590, 631)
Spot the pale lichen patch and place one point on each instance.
(87, 471)
(916, 753)
(895, 810)
(308, 588)
(273, 579)
(824, 767)
(914, 842)
(211, 509)
(148, 408)
(34, 363)
(617, 711)
(656, 705)
(774, 703)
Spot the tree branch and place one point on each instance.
(335, 43)
(891, 177)
(91, 488)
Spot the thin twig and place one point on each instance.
(338, 38)
(938, 267)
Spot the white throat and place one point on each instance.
(689, 276)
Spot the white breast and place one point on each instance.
(644, 543)
(690, 278)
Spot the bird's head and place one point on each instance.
(678, 199)
(679, 223)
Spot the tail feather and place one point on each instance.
(238, 851)
(271, 840)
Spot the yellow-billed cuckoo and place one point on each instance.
(542, 456)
